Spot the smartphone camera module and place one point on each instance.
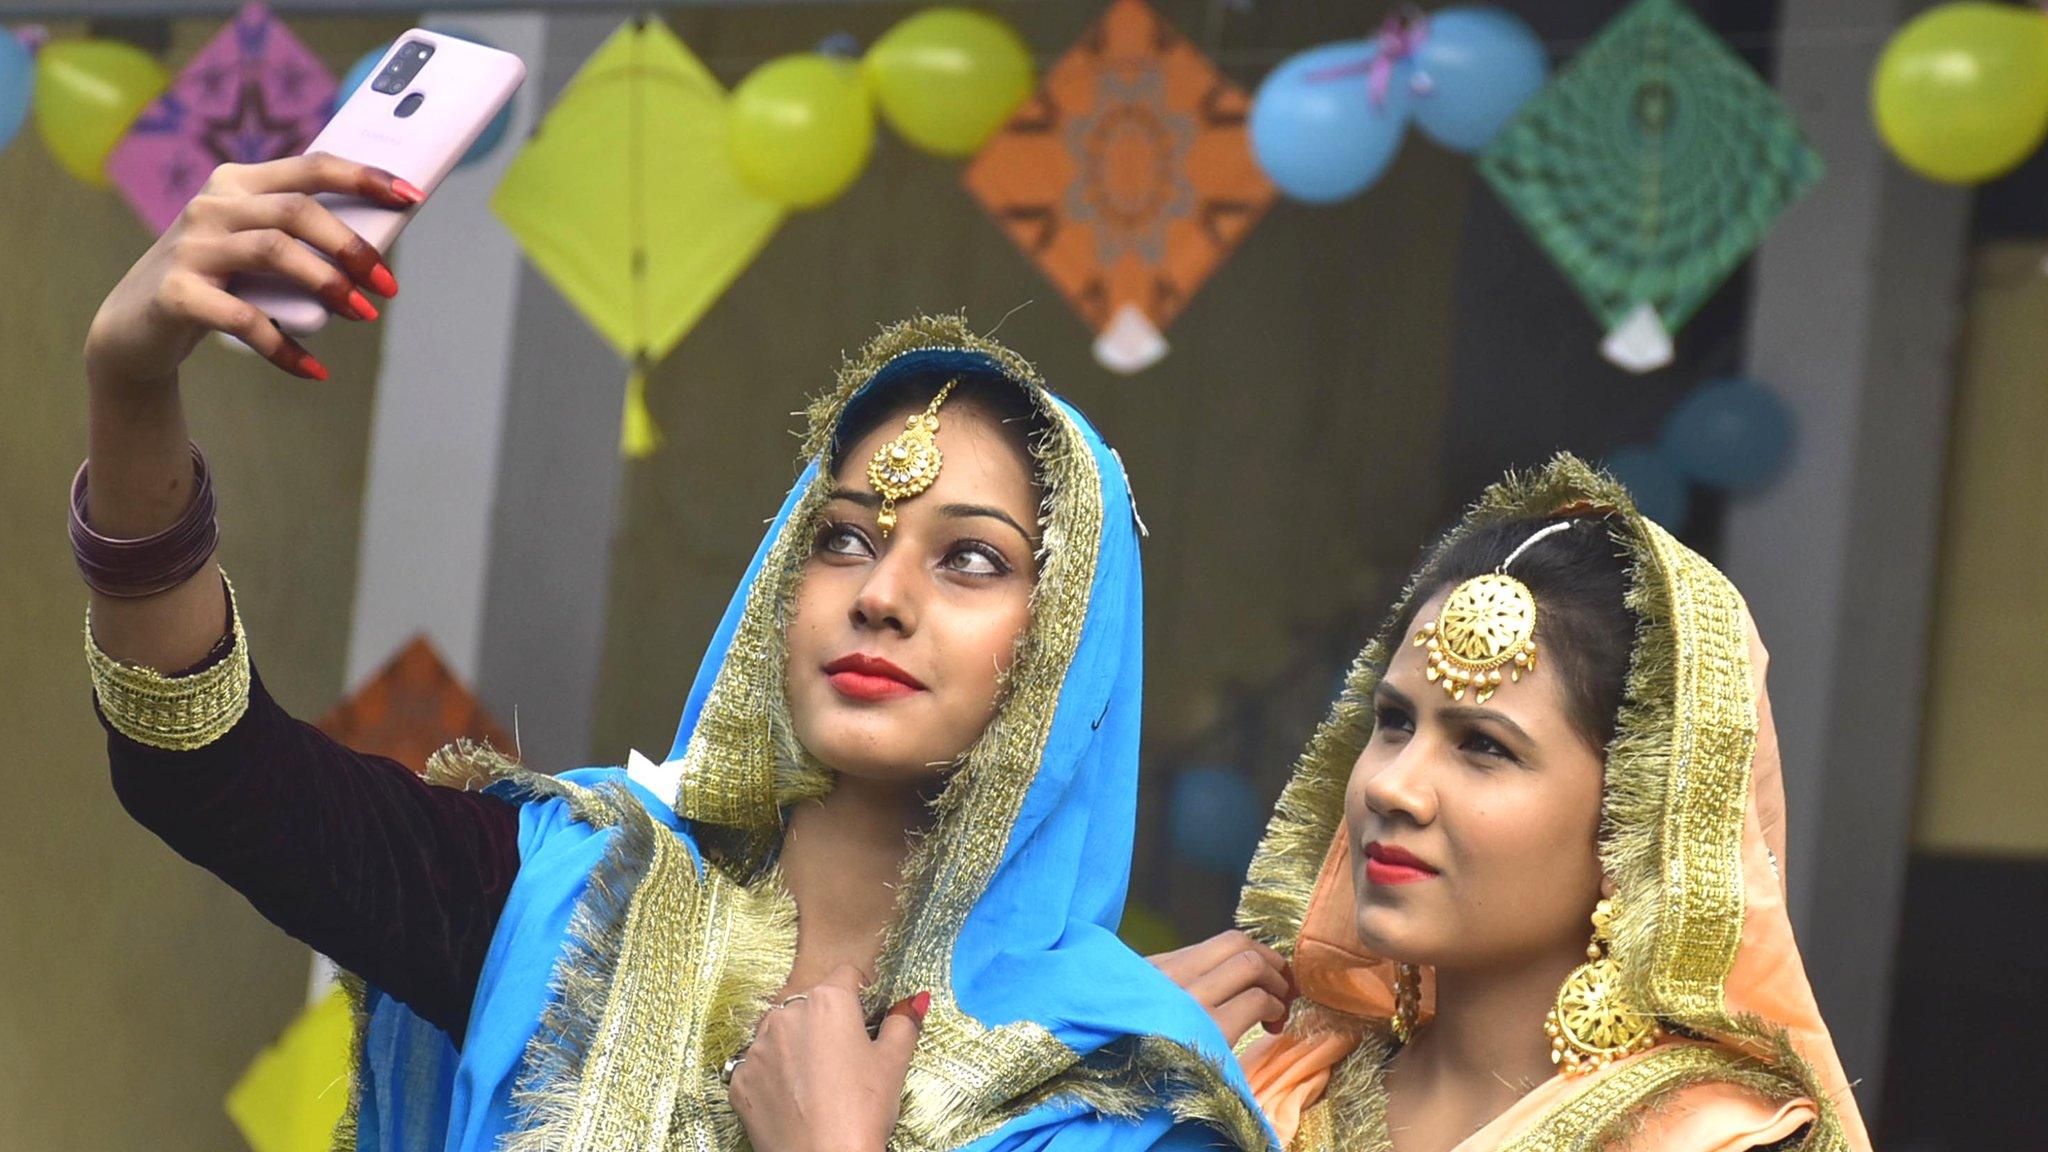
(405, 64)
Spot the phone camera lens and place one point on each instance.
(405, 64)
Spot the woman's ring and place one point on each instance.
(732, 1064)
(796, 999)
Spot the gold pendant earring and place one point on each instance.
(1593, 1024)
(1407, 1001)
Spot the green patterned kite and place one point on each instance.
(1649, 168)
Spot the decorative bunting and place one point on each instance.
(627, 200)
(254, 93)
(1648, 169)
(1127, 178)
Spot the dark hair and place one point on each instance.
(1579, 578)
(1001, 400)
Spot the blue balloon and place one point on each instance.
(1729, 434)
(1657, 486)
(1316, 129)
(494, 132)
(1213, 819)
(1479, 65)
(17, 84)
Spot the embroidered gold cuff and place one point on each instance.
(178, 713)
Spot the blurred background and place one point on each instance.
(1779, 264)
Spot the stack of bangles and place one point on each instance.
(146, 565)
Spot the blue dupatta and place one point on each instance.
(646, 928)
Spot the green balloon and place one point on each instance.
(1961, 93)
(802, 127)
(947, 78)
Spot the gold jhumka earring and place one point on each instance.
(1593, 1024)
(909, 464)
(1407, 1001)
(1485, 631)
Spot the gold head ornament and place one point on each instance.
(1485, 632)
(909, 464)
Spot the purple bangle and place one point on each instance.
(146, 565)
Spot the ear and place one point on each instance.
(1607, 887)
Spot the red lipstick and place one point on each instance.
(864, 677)
(1388, 865)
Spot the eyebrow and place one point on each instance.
(1392, 695)
(955, 511)
(959, 511)
(1465, 712)
(864, 499)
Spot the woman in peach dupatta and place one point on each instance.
(1439, 852)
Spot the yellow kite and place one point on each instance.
(627, 199)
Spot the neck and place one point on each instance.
(842, 858)
(1486, 1037)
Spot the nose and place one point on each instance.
(1398, 787)
(887, 599)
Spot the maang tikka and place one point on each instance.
(909, 464)
(1485, 631)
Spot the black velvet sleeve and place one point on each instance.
(395, 880)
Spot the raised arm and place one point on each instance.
(247, 220)
(399, 882)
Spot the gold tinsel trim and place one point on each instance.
(667, 969)
(175, 713)
(358, 994)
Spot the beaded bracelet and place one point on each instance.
(146, 565)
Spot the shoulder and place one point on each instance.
(561, 811)
(1718, 1116)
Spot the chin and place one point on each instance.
(1391, 932)
(868, 747)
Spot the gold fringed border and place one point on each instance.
(1123, 1080)
(1620, 1102)
(667, 970)
(358, 994)
(175, 713)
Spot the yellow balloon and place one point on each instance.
(947, 78)
(1961, 92)
(87, 94)
(802, 127)
(1146, 931)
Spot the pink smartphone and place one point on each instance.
(426, 102)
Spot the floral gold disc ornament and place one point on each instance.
(1593, 1024)
(909, 464)
(1485, 632)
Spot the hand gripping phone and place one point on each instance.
(426, 102)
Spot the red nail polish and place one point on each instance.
(382, 282)
(359, 305)
(914, 1006)
(312, 368)
(407, 191)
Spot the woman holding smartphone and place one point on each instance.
(867, 899)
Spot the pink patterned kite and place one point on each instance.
(254, 93)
